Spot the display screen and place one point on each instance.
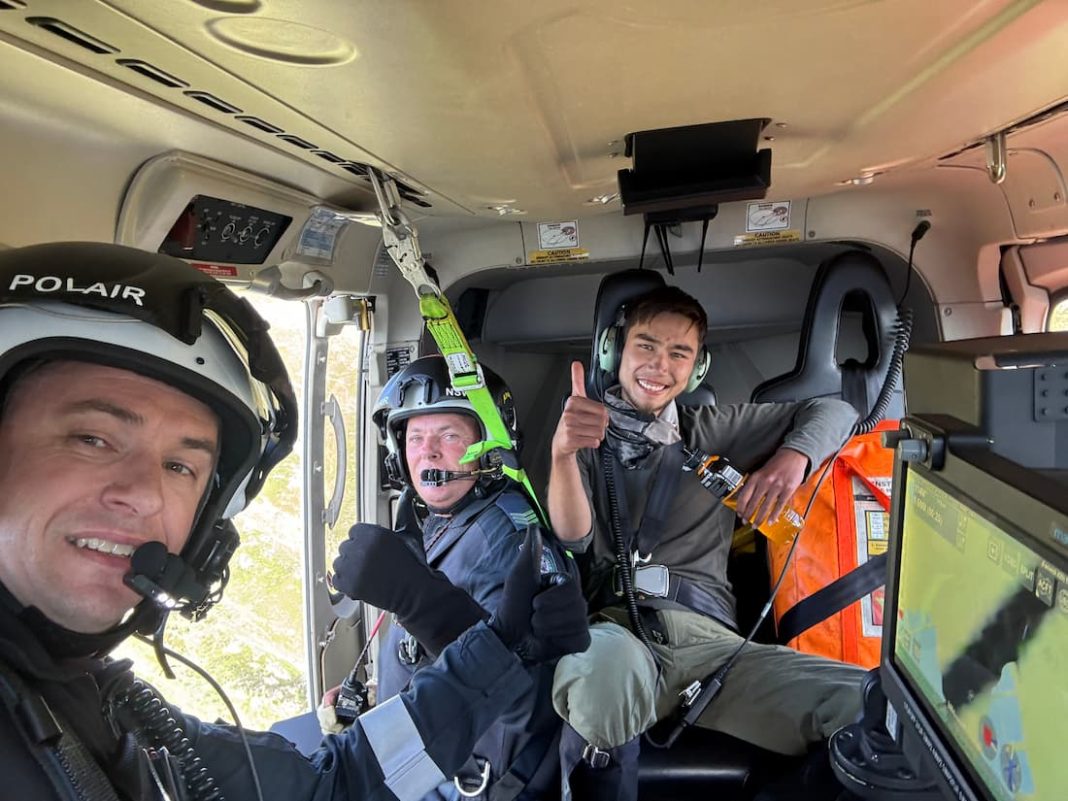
(982, 636)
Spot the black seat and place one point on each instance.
(853, 281)
(704, 395)
(615, 291)
(705, 764)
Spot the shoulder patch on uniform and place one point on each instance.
(518, 509)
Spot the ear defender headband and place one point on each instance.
(610, 352)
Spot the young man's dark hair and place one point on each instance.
(664, 300)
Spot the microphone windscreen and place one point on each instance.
(149, 559)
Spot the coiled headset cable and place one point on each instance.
(160, 727)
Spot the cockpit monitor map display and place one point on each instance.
(982, 634)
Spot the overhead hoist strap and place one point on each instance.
(402, 243)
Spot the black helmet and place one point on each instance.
(423, 387)
(159, 317)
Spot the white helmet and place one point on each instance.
(159, 317)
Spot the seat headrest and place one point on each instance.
(704, 395)
(854, 281)
(616, 290)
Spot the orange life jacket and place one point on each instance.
(848, 523)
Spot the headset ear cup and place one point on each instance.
(700, 369)
(607, 357)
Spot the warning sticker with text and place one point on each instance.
(557, 256)
(760, 238)
(216, 270)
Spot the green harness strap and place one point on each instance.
(466, 377)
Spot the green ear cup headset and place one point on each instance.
(610, 352)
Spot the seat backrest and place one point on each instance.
(850, 281)
(615, 291)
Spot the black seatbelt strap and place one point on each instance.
(651, 529)
(526, 767)
(661, 494)
(690, 595)
(833, 598)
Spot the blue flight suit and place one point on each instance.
(476, 547)
(398, 750)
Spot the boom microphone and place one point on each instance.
(163, 577)
(437, 478)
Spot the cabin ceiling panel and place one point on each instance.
(483, 103)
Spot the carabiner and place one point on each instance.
(400, 237)
(482, 785)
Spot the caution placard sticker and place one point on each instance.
(767, 216)
(558, 235)
(557, 256)
(872, 524)
(758, 238)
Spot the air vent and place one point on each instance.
(412, 195)
(326, 155)
(355, 167)
(304, 144)
(11, 5)
(261, 125)
(155, 73)
(72, 34)
(415, 200)
(211, 100)
(404, 189)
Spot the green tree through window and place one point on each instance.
(252, 643)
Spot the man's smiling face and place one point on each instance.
(657, 361)
(94, 462)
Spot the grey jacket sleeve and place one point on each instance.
(750, 433)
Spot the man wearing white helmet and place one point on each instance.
(143, 405)
(467, 520)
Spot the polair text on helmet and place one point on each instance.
(52, 283)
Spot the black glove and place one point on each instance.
(540, 617)
(376, 565)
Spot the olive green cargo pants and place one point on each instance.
(774, 697)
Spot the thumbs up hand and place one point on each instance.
(578, 380)
(583, 422)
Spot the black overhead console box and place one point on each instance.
(694, 167)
